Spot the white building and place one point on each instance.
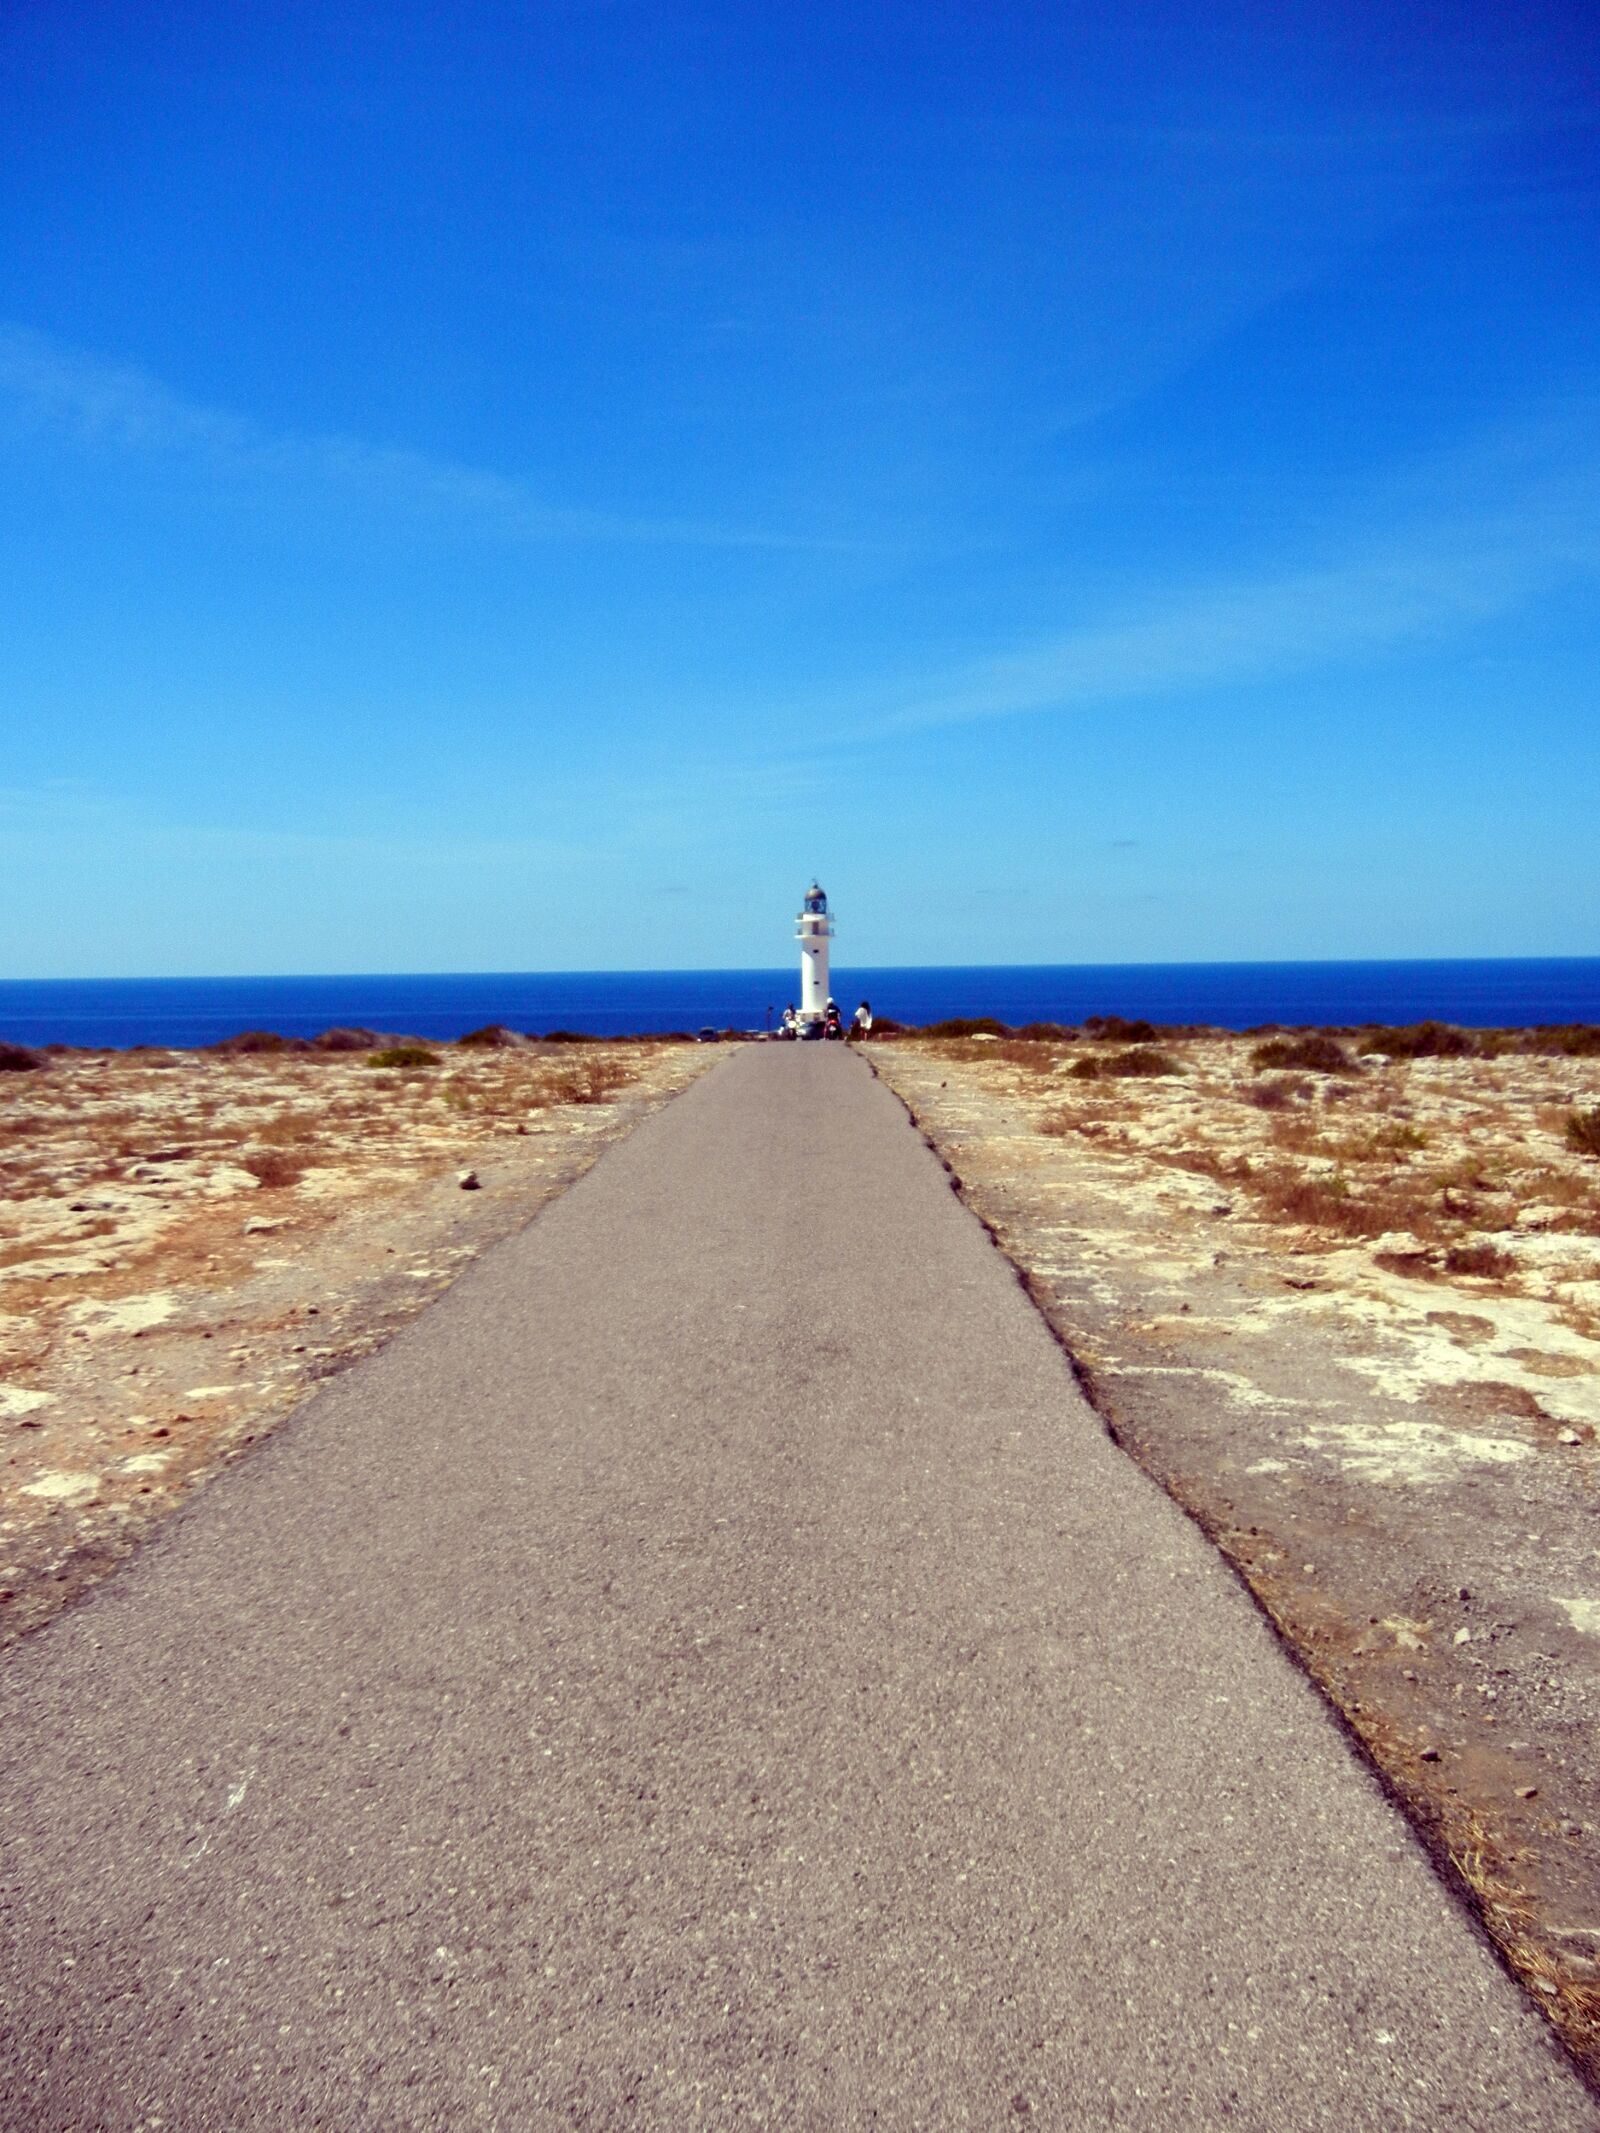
(813, 929)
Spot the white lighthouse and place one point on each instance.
(813, 929)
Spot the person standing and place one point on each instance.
(861, 1022)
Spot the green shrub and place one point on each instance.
(1143, 1060)
(1566, 1040)
(274, 1167)
(1422, 1040)
(1583, 1131)
(1276, 1095)
(1482, 1258)
(404, 1055)
(1113, 1029)
(1312, 1050)
(258, 1040)
(1139, 1063)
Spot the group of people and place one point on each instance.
(791, 1026)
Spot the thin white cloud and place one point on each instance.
(1482, 556)
(588, 812)
(46, 387)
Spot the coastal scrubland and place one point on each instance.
(189, 1241)
(1339, 1293)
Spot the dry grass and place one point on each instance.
(1495, 1874)
(291, 1129)
(589, 1080)
(1333, 1202)
(1031, 1055)
(1448, 1148)
(147, 1136)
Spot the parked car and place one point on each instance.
(708, 1035)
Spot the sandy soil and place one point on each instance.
(190, 1241)
(1352, 1322)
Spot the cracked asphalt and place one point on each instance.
(713, 1670)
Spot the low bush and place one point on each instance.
(1113, 1029)
(493, 1037)
(1047, 1032)
(1276, 1095)
(17, 1059)
(1478, 1258)
(274, 1167)
(1139, 1063)
(1583, 1132)
(1421, 1040)
(1312, 1050)
(346, 1040)
(404, 1055)
(1391, 1141)
(1566, 1040)
(568, 1036)
(260, 1040)
(1142, 1060)
(967, 1026)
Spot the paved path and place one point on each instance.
(712, 1670)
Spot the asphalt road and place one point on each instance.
(710, 1671)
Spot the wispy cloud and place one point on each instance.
(593, 810)
(99, 404)
(1506, 535)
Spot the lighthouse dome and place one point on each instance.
(815, 900)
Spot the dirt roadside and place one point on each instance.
(190, 1241)
(1351, 1321)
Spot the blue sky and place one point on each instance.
(502, 486)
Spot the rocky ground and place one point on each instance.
(189, 1241)
(1349, 1315)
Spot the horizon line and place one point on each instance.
(711, 970)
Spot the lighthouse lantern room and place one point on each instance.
(813, 929)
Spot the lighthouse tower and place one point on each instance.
(813, 929)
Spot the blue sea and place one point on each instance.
(107, 1012)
